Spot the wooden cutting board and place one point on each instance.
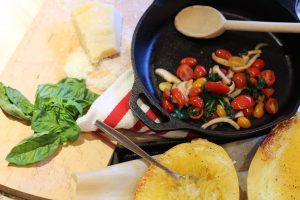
(40, 58)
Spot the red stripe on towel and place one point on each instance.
(118, 112)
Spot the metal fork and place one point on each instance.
(126, 142)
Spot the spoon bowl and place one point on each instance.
(206, 22)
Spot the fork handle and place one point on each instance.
(126, 142)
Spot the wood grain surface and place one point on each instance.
(40, 58)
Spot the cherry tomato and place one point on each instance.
(167, 105)
(242, 102)
(216, 87)
(184, 72)
(195, 91)
(223, 53)
(195, 113)
(196, 101)
(239, 80)
(199, 71)
(252, 80)
(271, 106)
(178, 97)
(258, 63)
(225, 71)
(268, 91)
(189, 61)
(214, 115)
(167, 94)
(253, 72)
(248, 112)
(269, 77)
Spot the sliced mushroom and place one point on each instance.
(168, 76)
(235, 93)
(221, 61)
(164, 85)
(250, 62)
(230, 74)
(253, 52)
(216, 69)
(221, 120)
(238, 114)
(231, 87)
(260, 45)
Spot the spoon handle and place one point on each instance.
(257, 26)
(127, 143)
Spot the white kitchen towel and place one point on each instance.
(112, 107)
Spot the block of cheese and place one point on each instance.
(98, 27)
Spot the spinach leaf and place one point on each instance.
(261, 83)
(33, 149)
(227, 107)
(14, 103)
(210, 107)
(214, 77)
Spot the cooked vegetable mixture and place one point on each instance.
(238, 88)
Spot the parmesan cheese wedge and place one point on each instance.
(98, 27)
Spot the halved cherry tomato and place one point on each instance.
(253, 72)
(269, 77)
(268, 91)
(248, 112)
(242, 102)
(167, 105)
(199, 71)
(216, 87)
(167, 94)
(239, 80)
(258, 63)
(196, 113)
(236, 61)
(252, 80)
(189, 61)
(196, 101)
(195, 91)
(225, 71)
(271, 106)
(223, 53)
(184, 72)
(178, 97)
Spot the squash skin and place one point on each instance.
(199, 158)
(274, 172)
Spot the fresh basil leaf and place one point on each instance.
(20, 101)
(33, 149)
(72, 92)
(18, 106)
(71, 134)
(46, 121)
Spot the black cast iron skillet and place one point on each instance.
(157, 44)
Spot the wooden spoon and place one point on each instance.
(206, 22)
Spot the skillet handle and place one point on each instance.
(166, 124)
